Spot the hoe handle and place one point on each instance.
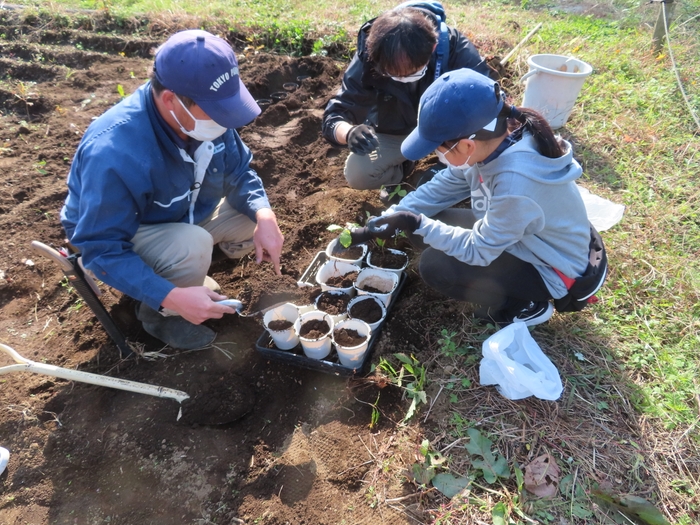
(25, 365)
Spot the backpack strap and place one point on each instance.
(443, 50)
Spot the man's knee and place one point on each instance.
(359, 173)
(186, 261)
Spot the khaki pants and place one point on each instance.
(181, 253)
(380, 168)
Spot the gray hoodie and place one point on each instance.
(525, 203)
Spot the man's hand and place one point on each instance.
(387, 226)
(362, 140)
(196, 304)
(268, 239)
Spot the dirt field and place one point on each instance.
(301, 450)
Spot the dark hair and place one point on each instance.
(401, 41)
(547, 143)
(158, 88)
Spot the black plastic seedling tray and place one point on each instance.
(329, 365)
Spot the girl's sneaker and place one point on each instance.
(537, 312)
(533, 313)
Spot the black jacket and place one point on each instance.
(390, 107)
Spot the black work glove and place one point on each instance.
(362, 235)
(362, 140)
(389, 225)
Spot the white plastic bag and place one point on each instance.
(602, 213)
(514, 362)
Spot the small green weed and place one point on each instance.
(411, 376)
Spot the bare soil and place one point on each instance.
(296, 446)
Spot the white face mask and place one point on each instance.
(464, 166)
(204, 130)
(442, 157)
(415, 77)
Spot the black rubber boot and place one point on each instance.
(174, 331)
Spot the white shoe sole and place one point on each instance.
(539, 319)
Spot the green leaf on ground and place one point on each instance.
(449, 485)
(493, 467)
(498, 514)
(642, 509)
(632, 506)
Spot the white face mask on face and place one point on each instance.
(415, 77)
(442, 157)
(464, 166)
(204, 130)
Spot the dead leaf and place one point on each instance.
(542, 476)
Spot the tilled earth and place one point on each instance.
(296, 446)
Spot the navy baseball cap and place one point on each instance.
(203, 67)
(459, 104)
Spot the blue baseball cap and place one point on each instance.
(203, 67)
(459, 104)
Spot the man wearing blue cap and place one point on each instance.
(162, 177)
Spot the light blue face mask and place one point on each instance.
(204, 130)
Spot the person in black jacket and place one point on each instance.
(399, 54)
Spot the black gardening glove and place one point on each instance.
(389, 225)
(362, 140)
(360, 236)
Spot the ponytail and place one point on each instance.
(547, 143)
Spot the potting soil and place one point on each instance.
(388, 259)
(342, 281)
(333, 303)
(314, 329)
(368, 311)
(280, 324)
(348, 337)
(351, 253)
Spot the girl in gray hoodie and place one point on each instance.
(526, 239)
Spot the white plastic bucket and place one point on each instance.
(284, 339)
(552, 86)
(351, 356)
(315, 348)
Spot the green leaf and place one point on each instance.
(491, 466)
(493, 469)
(345, 238)
(642, 509)
(498, 514)
(404, 359)
(449, 485)
(580, 511)
(478, 445)
(519, 477)
(423, 475)
(424, 448)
